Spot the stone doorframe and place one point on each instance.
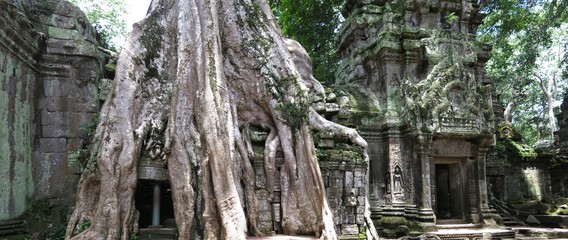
(457, 185)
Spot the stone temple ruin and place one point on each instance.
(412, 82)
(430, 121)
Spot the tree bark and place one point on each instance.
(548, 91)
(198, 72)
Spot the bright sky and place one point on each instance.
(136, 11)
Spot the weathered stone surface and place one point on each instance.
(55, 88)
(421, 104)
(18, 46)
(53, 145)
(47, 51)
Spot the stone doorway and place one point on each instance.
(449, 190)
(148, 194)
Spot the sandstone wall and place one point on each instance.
(562, 133)
(67, 97)
(18, 84)
(49, 70)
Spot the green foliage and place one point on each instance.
(91, 127)
(108, 18)
(133, 236)
(83, 226)
(529, 54)
(55, 233)
(294, 114)
(47, 219)
(451, 18)
(510, 147)
(315, 24)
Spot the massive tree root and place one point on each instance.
(204, 70)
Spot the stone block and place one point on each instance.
(361, 200)
(54, 118)
(319, 107)
(336, 183)
(360, 219)
(348, 218)
(74, 143)
(53, 145)
(55, 88)
(55, 70)
(80, 120)
(331, 107)
(260, 181)
(82, 92)
(62, 21)
(66, 47)
(86, 74)
(264, 205)
(51, 173)
(350, 201)
(261, 194)
(347, 191)
(88, 107)
(54, 131)
(56, 104)
(359, 179)
(348, 179)
(63, 33)
(336, 174)
(326, 143)
(349, 229)
(360, 209)
(276, 212)
(258, 136)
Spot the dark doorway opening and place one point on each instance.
(449, 191)
(144, 199)
(442, 191)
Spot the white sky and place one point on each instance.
(136, 11)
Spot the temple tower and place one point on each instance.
(421, 64)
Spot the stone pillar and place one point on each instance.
(487, 214)
(426, 213)
(156, 206)
(482, 179)
(396, 169)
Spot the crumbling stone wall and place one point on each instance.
(562, 134)
(49, 69)
(423, 69)
(342, 165)
(18, 81)
(67, 98)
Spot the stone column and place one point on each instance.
(488, 215)
(156, 206)
(482, 179)
(426, 213)
(396, 169)
(425, 160)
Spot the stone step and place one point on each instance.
(282, 237)
(157, 233)
(456, 226)
(12, 229)
(511, 223)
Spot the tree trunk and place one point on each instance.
(193, 76)
(549, 91)
(508, 112)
